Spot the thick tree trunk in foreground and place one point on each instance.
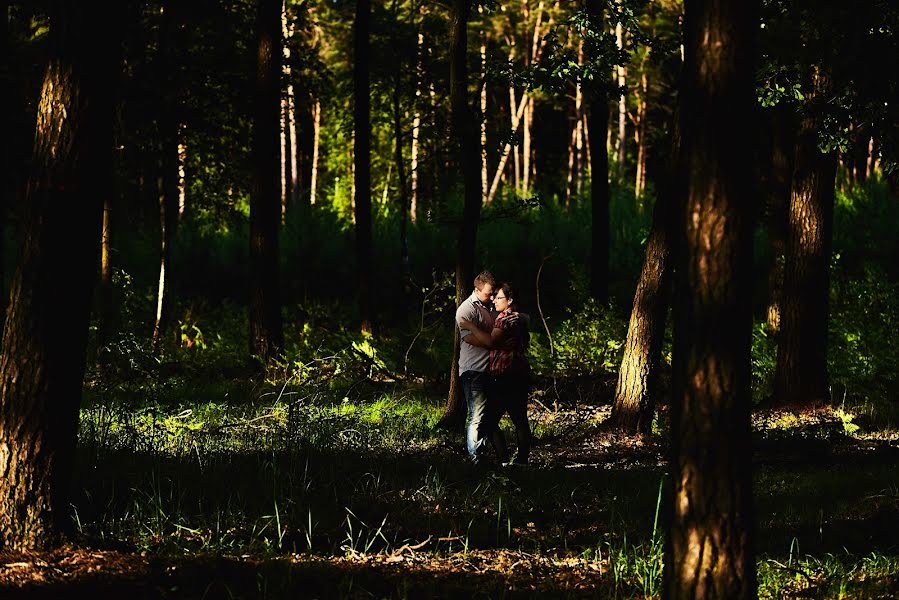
(801, 372)
(43, 351)
(266, 334)
(465, 136)
(709, 552)
(362, 161)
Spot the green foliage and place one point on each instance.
(863, 349)
(588, 342)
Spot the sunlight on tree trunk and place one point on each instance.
(42, 356)
(635, 395)
(801, 373)
(316, 131)
(709, 550)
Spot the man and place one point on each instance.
(474, 359)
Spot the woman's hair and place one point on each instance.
(508, 292)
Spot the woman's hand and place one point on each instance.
(466, 324)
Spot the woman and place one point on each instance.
(509, 370)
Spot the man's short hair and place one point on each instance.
(484, 277)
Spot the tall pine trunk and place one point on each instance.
(598, 121)
(709, 551)
(316, 135)
(465, 138)
(362, 162)
(42, 355)
(266, 333)
(801, 372)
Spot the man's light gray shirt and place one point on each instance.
(474, 358)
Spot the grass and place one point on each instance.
(293, 473)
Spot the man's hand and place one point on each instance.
(511, 319)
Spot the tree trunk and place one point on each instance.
(621, 147)
(640, 130)
(598, 122)
(635, 394)
(106, 308)
(466, 140)
(485, 182)
(416, 128)
(42, 355)
(579, 127)
(782, 153)
(362, 161)
(316, 129)
(405, 265)
(171, 46)
(709, 551)
(266, 334)
(7, 176)
(801, 373)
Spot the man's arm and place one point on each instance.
(474, 335)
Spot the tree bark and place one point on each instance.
(782, 153)
(416, 128)
(266, 333)
(621, 145)
(635, 394)
(465, 137)
(42, 355)
(405, 265)
(316, 129)
(801, 373)
(362, 161)
(709, 551)
(598, 122)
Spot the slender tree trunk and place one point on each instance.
(516, 117)
(316, 129)
(167, 189)
(621, 146)
(569, 182)
(598, 121)
(640, 135)
(709, 551)
(485, 182)
(169, 126)
(466, 140)
(497, 176)
(107, 310)
(579, 126)
(290, 176)
(405, 265)
(266, 333)
(801, 372)
(416, 129)
(182, 171)
(778, 206)
(42, 355)
(362, 161)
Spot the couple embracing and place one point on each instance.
(493, 369)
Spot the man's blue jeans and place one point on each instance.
(474, 384)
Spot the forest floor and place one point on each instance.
(214, 520)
